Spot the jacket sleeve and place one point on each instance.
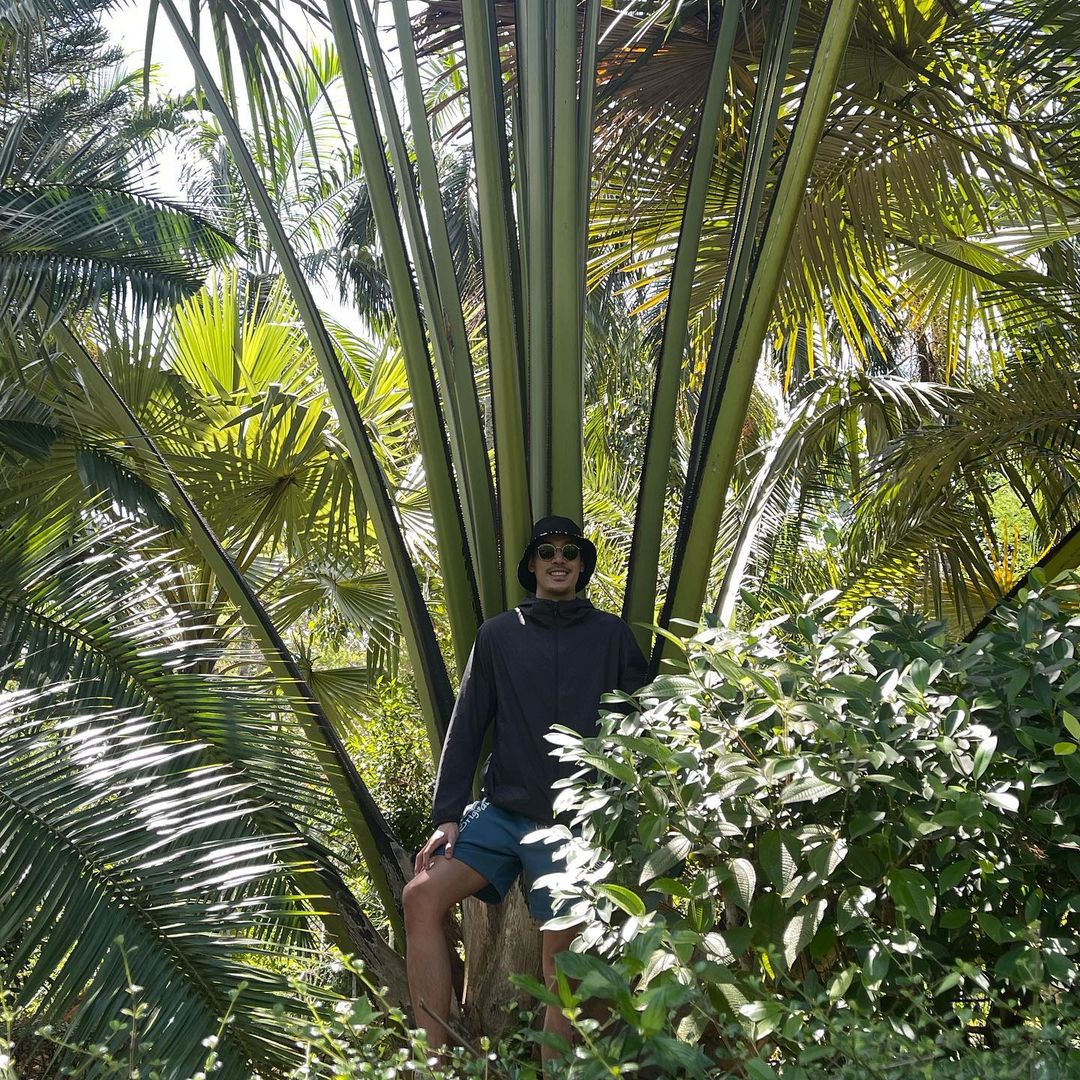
(472, 715)
(633, 666)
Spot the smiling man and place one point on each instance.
(547, 661)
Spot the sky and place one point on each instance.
(126, 24)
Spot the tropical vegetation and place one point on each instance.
(835, 818)
(779, 297)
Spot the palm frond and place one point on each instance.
(104, 611)
(125, 875)
(95, 610)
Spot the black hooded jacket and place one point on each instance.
(545, 662)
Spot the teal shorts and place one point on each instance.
(491, 842)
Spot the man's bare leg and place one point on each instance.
(427, 899)
(555, 942)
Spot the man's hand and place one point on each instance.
(446, 833)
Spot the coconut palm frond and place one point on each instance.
(97, 610)
(76, 230)
(133, 876)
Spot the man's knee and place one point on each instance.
(422, 902)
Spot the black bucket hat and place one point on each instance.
(557, 526)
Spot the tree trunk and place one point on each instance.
(500, 940)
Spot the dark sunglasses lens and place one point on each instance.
(547, 551)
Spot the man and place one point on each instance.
(547, 661)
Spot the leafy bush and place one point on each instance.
(394, 757)
(830, 823)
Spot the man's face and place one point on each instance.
(556, 578)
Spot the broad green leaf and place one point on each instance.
(624, 898)
(778, 858)
(993, 928)
(853, 906)
(1003, 800)
(954, 918)
(838, 985)
(953, 874)
(1072, 725)
(876, 966)
(745, 879)
(825, 858)
(801, 930)
(757, 1069)
(765, 1016)
(614, 768)
(669, 854)
(809, 788)
(983, 756)
(913, 894)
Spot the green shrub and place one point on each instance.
(829, 823)
(394, 757)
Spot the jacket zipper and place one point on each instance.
(556, 663)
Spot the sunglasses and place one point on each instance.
(548, 551)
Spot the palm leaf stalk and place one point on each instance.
(640, 598)
(432, 684)
(568, 225)
(456, 562)
(502, 281)
(704, 502)
(384, 858)
(534, 178)
(761, 137)
(459, 383)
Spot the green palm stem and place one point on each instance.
(384, 857)
(567, 270)
(501, 281)
(640, 600)
(590, 43)
(764, 121)
(432, 684)
(462, 605)
(534, 111)
(459, 383)
(706, 501)
(446, 322)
